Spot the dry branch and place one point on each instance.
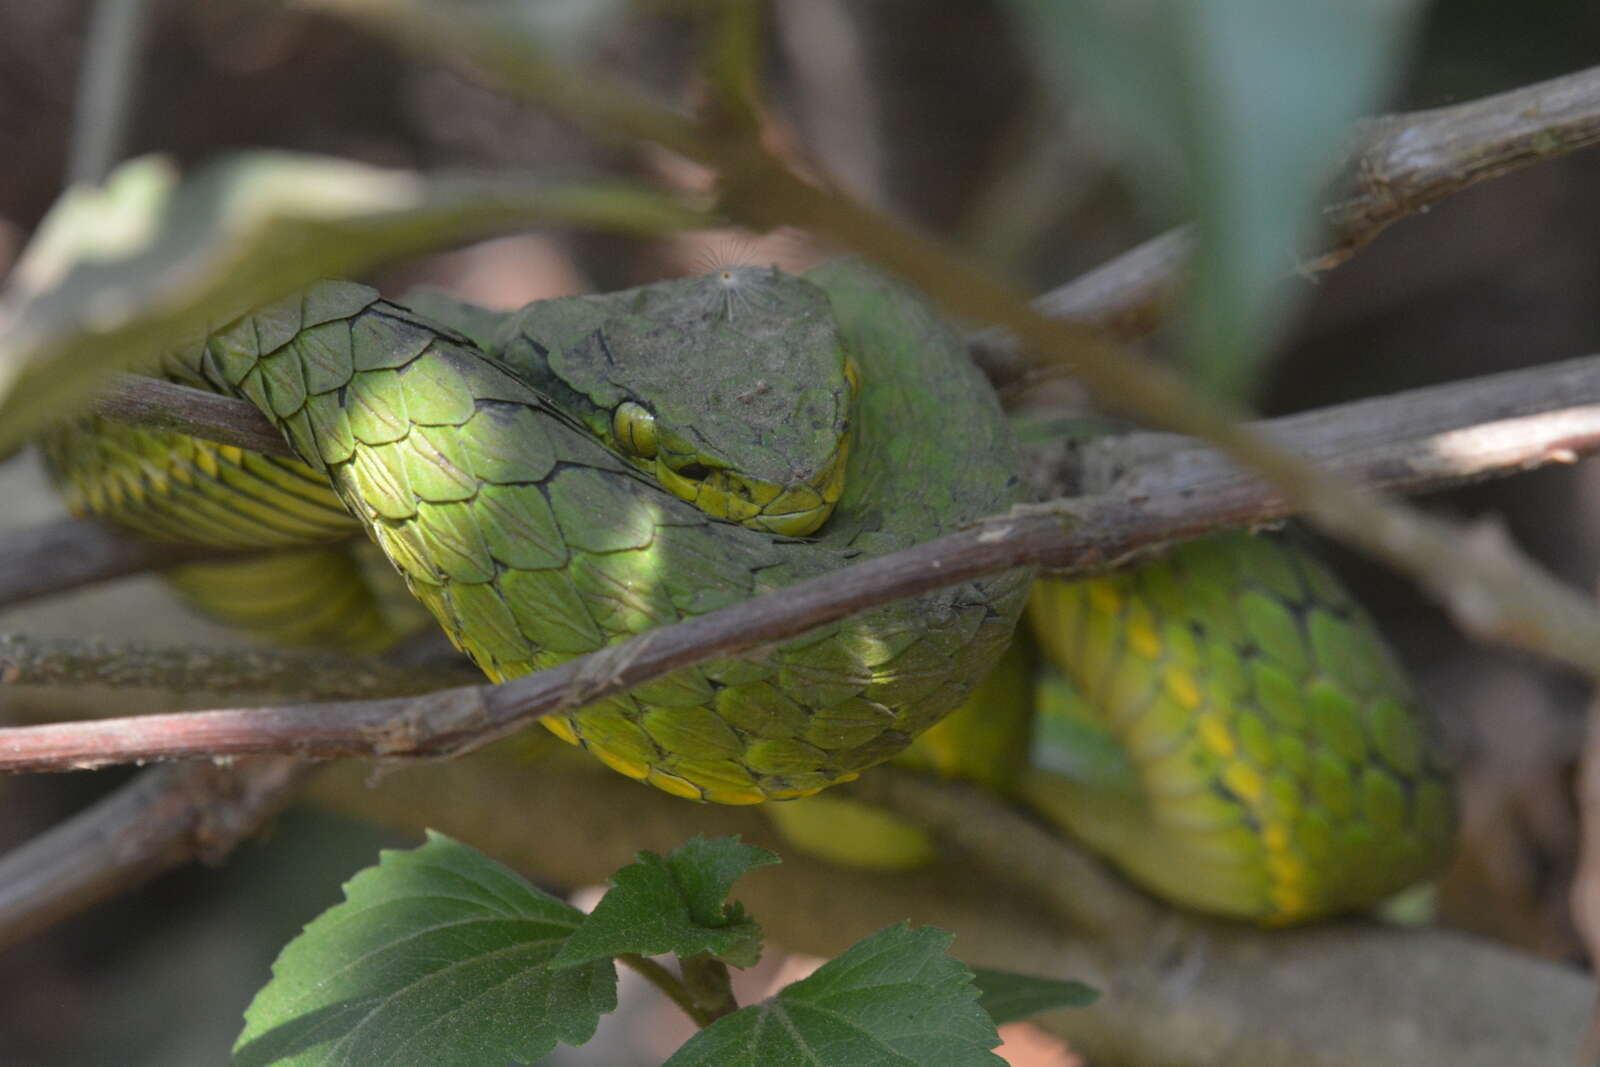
(1076, 536)
(1415, 441)
(59, 556)
(1491, 590)
(1400, 165)
(30, 660)
(165, 818)
(167, 405)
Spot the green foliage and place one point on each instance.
(895, 1000)
(442, 956)
(1240, 104)
(116, 274)
(1008, 996)
(676, 904)
(438, 955)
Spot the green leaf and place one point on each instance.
(439, 956)
(1008, 996)
(1242, 104)
(677, 904)
(116, 276)
(893, 1000)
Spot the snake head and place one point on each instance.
(734, 389)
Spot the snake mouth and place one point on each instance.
(797, 508)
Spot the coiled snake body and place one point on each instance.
(1269, 742)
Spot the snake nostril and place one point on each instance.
(698, 472)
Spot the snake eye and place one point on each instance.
(633, 428)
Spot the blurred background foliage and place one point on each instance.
(928, 110)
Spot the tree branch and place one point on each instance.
(1491, 590)
(165, 818)
(1403, 164)
(1071, 883)
(1427, 438)
(1415, 441)
(1205, 977)
(60, 556)
(1078, 536)
(164, 405)
(669, 985)
(29, 660)
(1400, 165)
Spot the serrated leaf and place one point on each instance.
(1244, 105)
(1008, 996)
(676, 904)
(439, 956)
(894, 999)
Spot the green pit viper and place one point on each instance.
(553, 480)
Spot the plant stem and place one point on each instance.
(670, 984)
(707, 980)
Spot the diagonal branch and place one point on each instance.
(1491, 590)
(165, 818)
(1400, 165)
(1077, 536)
(65, 555)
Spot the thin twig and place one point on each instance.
(1078, 536)
(166, 405)
(1127, 297)
(30, 660)
(59, 556)
(165, 818)
(1404, 163)
(1072, 883)
(1492, 591)
(1427, 438)
(1401, 165)
(609, 106)
(669, 985)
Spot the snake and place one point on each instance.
(1225, 723)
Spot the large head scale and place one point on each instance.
(733, 389)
